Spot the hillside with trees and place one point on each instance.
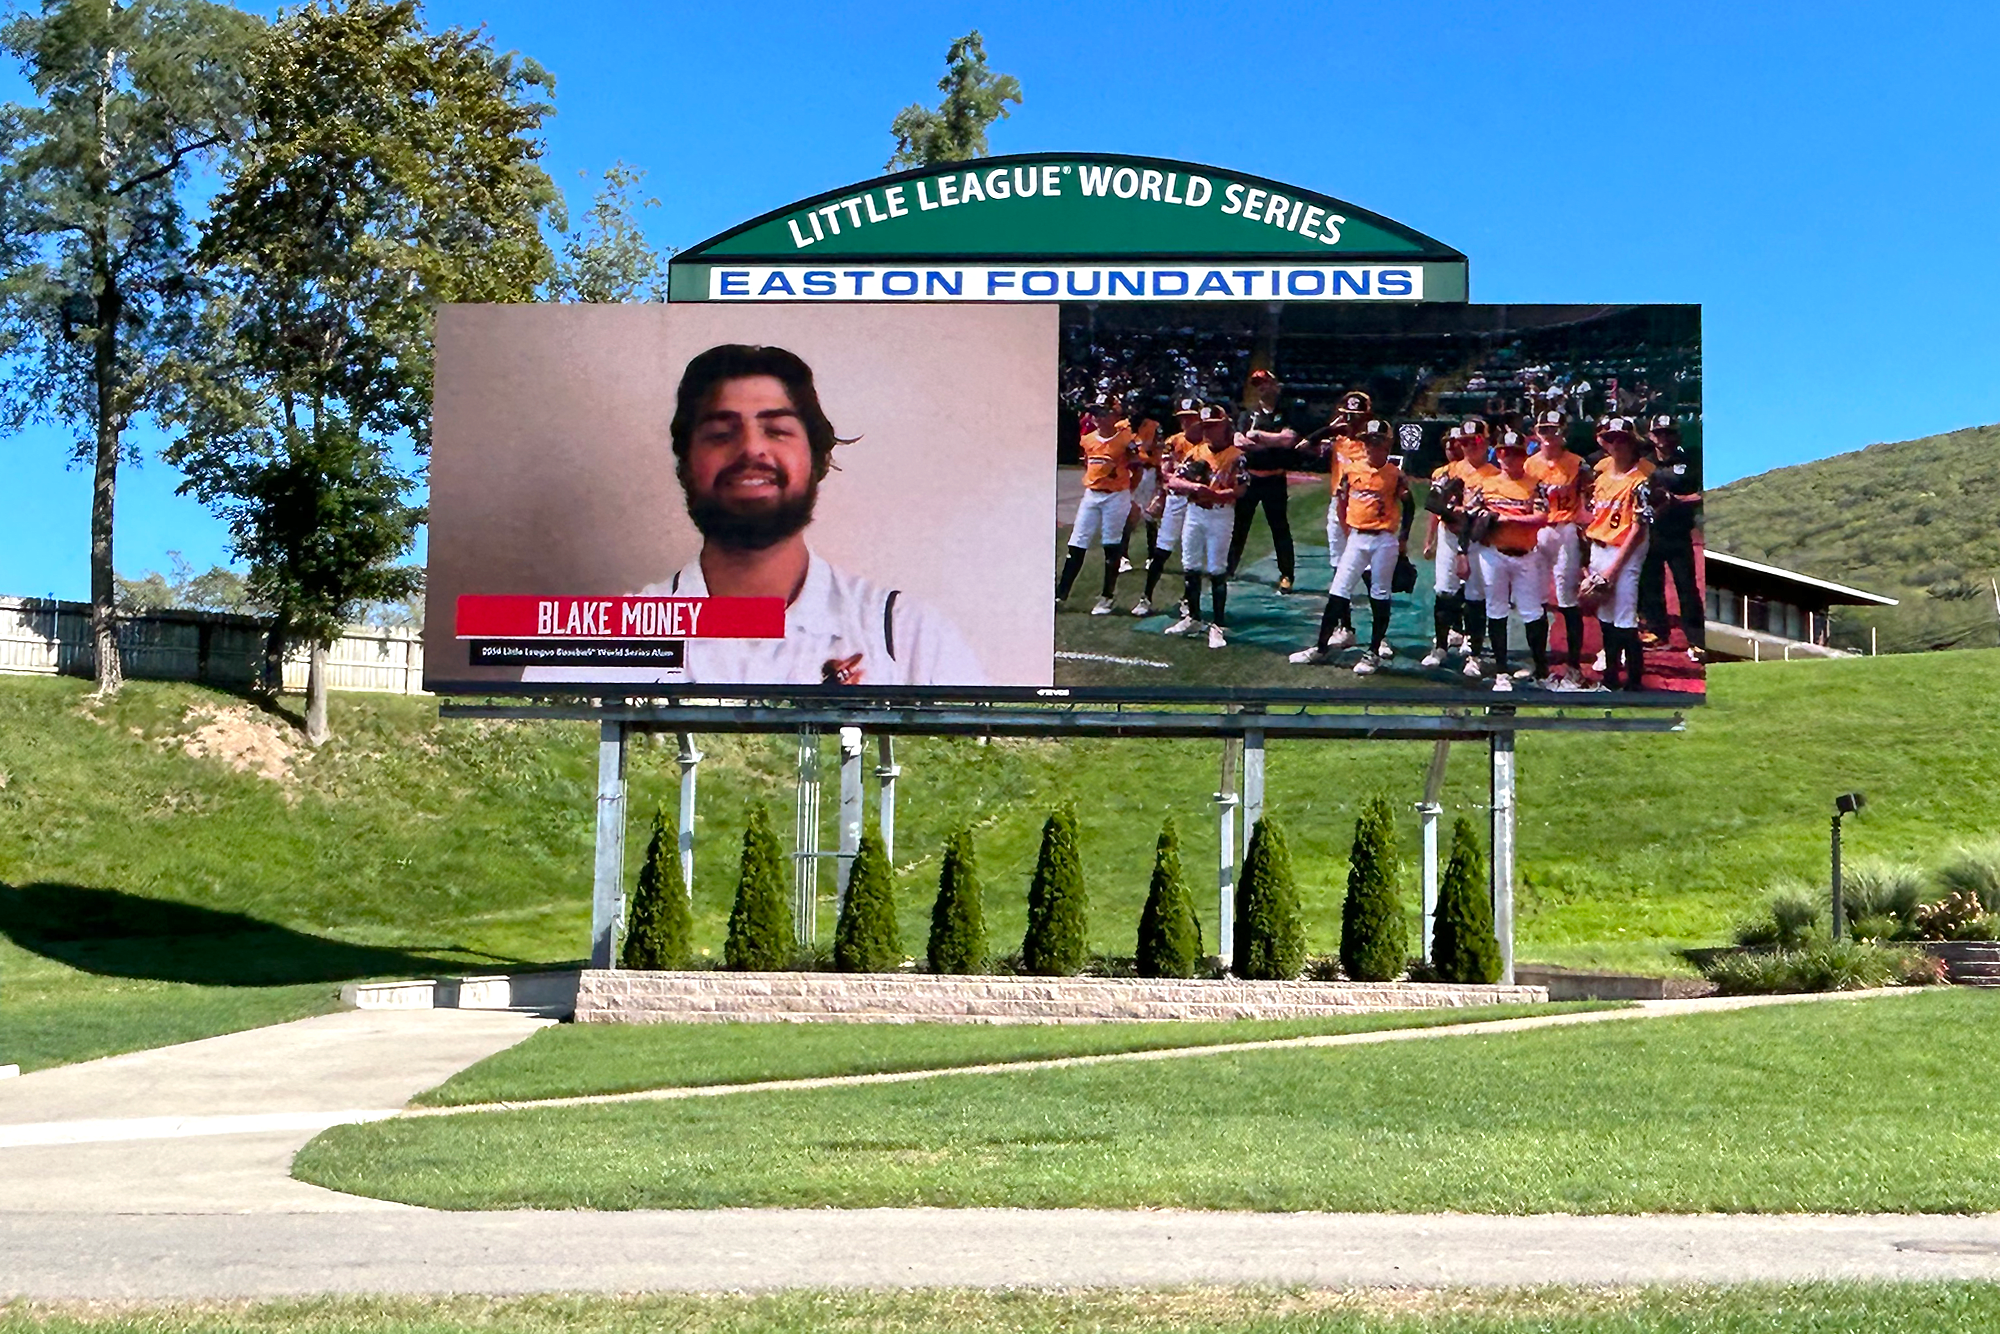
(1918, 520)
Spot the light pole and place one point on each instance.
(1847, 803)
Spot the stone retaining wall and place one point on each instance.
(605, 996)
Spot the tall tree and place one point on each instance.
(1057, 942)
(388, 169)
(607, 258)
(974, 97)
(94, 286)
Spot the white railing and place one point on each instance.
(43, 637)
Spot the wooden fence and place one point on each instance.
(44, 637)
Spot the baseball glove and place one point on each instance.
(1592, 591)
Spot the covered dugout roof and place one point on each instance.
(1770, 583)
(1070, 208)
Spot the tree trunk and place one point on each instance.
(273, 679)
(104, 350)
(103, 612)
(316, 728)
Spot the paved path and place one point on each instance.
(421, 1251)
(211, 1126)
(165, 1174)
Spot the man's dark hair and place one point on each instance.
(736, 361)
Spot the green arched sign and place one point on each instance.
(1070, 226)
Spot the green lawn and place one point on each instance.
(574, 1059)
(1820, 1308)
(1839, 1106)
(138, 885)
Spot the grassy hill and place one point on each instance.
(1915, 519)
(150, 894)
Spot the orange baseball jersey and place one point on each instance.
(1605, 465)
(1107, 463)
(1224, 464)
(1176, 448)
(1346, 449)
(1374, 497)
(1472, 474)
(1619, 503)
(1505, 496)
(1559, 474)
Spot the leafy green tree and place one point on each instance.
(1270, 930)
(95, 289)
(958, 918)
(1058, 906)
(608, 258)
(1464, 947)
(388, 169)
(974, 97)
(865, 940)
(1374, 938)
(659, 931)
(760, 921)
(1169, 933)
(217, 588)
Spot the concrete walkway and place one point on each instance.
(211, 1126)
(165, 1174)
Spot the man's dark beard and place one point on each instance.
(752, 532)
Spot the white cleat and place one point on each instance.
(1435, 658)
(1562, 685)
(1473, 669)
(1185, 625)
(1143, 607)
(1311, 657)
(1368, 666)
(1524, 673)
(1503, 684)
(1216, 639)
(1102, 607)
(1386, 652)
(1597, 663)
(1124, 565)
(1342, 637)
(1455, 641)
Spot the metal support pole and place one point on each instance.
(805, 843)
(1226, 802)
(689, 759)
(886, 774)
(1839, 908)
(1503, 851)
(607, 891)
(1430, 809)
(850, 807)
(1253, 785)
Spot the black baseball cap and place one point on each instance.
(1188, 407)
(1550, 418)
(1356, 403)
(1214, 412)
(1511, 440)
(1663, 425)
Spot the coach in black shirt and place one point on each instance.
(1270, 447)
(1676, 503)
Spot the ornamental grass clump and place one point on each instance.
(1270, 930)
(1169, 934)
(760, 921)
(865, 938)
(1058, 907)
(958, 918)
(1464, 947)
(1827, 965)
(1374, 938)
(659, 929)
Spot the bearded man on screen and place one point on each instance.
(751, 447)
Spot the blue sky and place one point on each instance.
(1821, 177)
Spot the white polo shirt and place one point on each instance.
(835, 616)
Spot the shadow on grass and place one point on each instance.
(115, 934)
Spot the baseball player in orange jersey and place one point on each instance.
(1145, 486)
(1343, 445)
(1211, 477)
(1516, 508)
(1459, 577)
(1373, 498)
(1621, 517)
(1107, 499)
(1562, 474)
(1163, 531)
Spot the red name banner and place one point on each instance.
(520, 616)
